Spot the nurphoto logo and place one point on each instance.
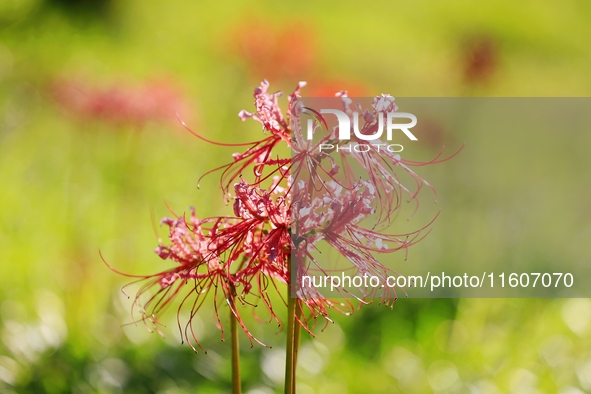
(372, 130)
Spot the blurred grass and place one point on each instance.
(72, 186)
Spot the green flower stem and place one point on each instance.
(236, 384)
(293, 338)
(297, 336)
(290, 347)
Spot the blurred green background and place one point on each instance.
(91, 152)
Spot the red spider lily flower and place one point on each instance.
(337, 216)
(382, 168)
(351, 205)
(259, 154)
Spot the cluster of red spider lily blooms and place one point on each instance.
(240, 259)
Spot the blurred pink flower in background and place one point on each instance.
(120, 104)
(480, 59)
(284, 52)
